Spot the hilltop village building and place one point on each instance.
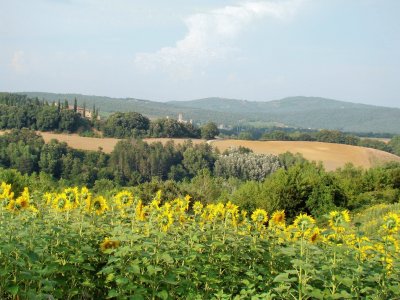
(182, 120)
(84, 112)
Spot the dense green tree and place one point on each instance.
(209, 131)
(198, 157)
(171, 128)
(69, 121)
(128, 124)
(48, 118)
(51, 158)
(395, 145)
(18, 111)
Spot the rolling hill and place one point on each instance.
(308, 112)
(302, 112)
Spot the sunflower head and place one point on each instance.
(49, 198)
(5, 191)
(85, 196)
(123, 199)
(22, 202)
(72, 195)
(197, 208)
(109, 244)
(99, 205)
(304, 222)
(232, 209)
(391, 223)
(165, 220)
(314, 235)
(61, 202)
(259, 216)
(278, 218)
(338, 221)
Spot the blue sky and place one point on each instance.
(179, 49)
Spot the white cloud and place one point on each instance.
(17, 61)
(211, 34)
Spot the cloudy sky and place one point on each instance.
(185, 49)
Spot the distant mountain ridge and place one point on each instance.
(303, 112)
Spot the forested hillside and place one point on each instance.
(302, 112)
(308, 112)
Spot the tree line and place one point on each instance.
(19, 111)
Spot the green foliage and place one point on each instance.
(18, 111)
(276, 135)
(171, 128)
(209, 131)
(289, 159)
(395, 145)
(301, 188)
(130, 124)
(198, 157)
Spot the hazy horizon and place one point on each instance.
(251, 50)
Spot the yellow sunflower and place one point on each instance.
(49, 198)
(22, 202)
(219, 211)
(165, 220)
(278, 218)
(5, 192)
(109, 244)
(123, 199)
(197, 208)
(314, 235)
(85, 197)
(140, 211)
(391, 223)
(61, 202)
(338, 221)
(99, 205)
(304, 222)
(72, 195)
(259, 216)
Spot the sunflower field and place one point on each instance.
(77, 245)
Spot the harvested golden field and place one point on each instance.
(106, 144)
(80, 142)
(332, 156)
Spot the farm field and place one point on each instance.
(106, 144)
(332, 156)
(78, 245)
(93, 144)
